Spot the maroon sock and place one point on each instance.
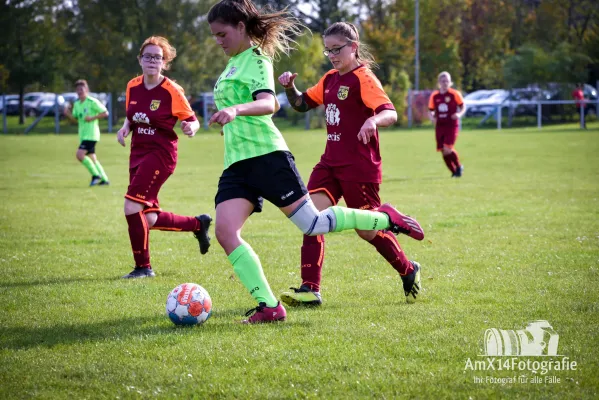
(455, 160)
(312, 259)
(139, 234)
(167, 221)
(388, 246)
(449, 162)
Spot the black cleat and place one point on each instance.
(95, 180)
(104, 183)
(411, 283)
(140, 272)
(458, 172)
(202, 234)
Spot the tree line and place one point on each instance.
(48, 44)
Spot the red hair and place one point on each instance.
(168, 51)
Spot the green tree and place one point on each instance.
(34, 49)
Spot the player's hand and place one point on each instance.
(88, 118)
(223, 116)
(454, 116)
(187, 128)
(121, 135)
(286, 79)
(367, 131)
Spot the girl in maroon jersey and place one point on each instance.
(154, 105)
(446, 107)
(355, 106)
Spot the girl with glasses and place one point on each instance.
(355, 107)
(258, 164)
(154, 105)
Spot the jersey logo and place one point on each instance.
(154, 105)
(443, 108)
(231, 72)
(332, 113)
(141, 118)
(447, 99)
(132, 102)
(343, 92)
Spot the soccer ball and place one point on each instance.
(188, 304)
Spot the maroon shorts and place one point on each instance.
(446, 136)
(361, 195)
(145, 181)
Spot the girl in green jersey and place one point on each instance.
(258, 164)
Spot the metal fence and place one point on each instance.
(417, 110)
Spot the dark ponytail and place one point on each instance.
(272, 31)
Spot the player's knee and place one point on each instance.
(311, 221)
(80, 155)
(366, 235)
(132, 207)
(226, 237)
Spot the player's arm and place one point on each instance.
(385, 118)
(431, 108)
(67, 113)
(461, 109)
(296, 98)
(101, 115)
(265, 104)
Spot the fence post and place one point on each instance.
(56, 116)
(4, 106)
(307, 118)
(582, 114)
(205, 109)
(539, 115)
(110, 111)
(409, 108)
(499, 118)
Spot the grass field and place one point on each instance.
(513, 241)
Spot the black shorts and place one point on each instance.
(88, 145)
(272, 176)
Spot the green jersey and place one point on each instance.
(89, 107)
(247, 74)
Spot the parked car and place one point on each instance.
(31, 101)
(48, 102)
(12, 104)
(482, 102)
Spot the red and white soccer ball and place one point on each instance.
(188, 304)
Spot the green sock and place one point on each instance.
(248, 269)
(91, 167)
(101, 171)
(351, 218)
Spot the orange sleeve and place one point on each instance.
(181, 108)
(431, 103)
(458, 97)
(133, 82)
(316, 92)
(372, 92)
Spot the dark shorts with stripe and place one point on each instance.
(88, 145)
(145, 181)
(360, 195)
(272, 176)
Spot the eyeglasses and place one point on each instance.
(334, 52)
(149, 57)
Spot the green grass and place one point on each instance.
(513, 241)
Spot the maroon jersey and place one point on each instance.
(349, 100)
(153, 114)
(444, 105)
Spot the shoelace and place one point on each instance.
(260, 307)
